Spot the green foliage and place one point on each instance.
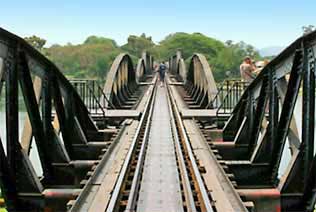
(93, 58)
(137, 44)
(229, 59)
(36, 42)
(223, 57)
(188, 44)
(100, 40)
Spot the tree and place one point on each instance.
(93, 58)
(37, 42)
(100, 40)
(188, 44)
(308, 29)
(229, 43)
(137, 44)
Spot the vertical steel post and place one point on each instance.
(259, 114)
(273, 108)
(308, 118)
(12, 108)
(7, 182)
(41, 138)
(279, 136)
(47, 115)
(47, 104)
(60, 111)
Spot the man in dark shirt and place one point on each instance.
(162, 71)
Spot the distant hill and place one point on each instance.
(271, 51)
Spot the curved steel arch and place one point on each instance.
(24, 65)
(264, 120)
(120, 81)
(181, 70)
(140, 70)
(200, 82)
(177, 66)
(149, 62)
(144, 67)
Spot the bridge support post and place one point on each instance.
(12, 108)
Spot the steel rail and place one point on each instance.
(117, 190)
(132, 199)
(204, 193)
(183, 172)
(227, 187)
(87, 189)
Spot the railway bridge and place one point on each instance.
(132, 145)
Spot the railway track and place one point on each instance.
(158, 165)
(215, 173)
(134, 146)
(152, 164)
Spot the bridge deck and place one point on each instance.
(160, 179)
(132, 146)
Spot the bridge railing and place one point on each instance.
(92, 95)
(228, 95)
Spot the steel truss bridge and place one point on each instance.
(133, 145)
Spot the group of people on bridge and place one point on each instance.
(249, 69)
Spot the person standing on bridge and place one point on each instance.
(246, 70)
(162, 72)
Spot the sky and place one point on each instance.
(260, 23)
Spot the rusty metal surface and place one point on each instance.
(188, 191)
(160, 179)
(202, 193)
(140, 158)
(27, 130)
(121, 74)
(140, 70)
(144, 67)
(177, 66)
(1, 73)
(102, 182)
(143, 124)
(200, 74)
(214, 176)
(102, 190)
(220, 187)
(217, 183)
(206, 113)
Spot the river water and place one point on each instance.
(22, 116)
(34, 156)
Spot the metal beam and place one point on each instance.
(38, 129)
(279, 136)
(12, 108)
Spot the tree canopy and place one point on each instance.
(222, 57)
(36, 42)
(137, 44)
(93, 58)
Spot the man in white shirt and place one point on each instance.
(246, 70)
